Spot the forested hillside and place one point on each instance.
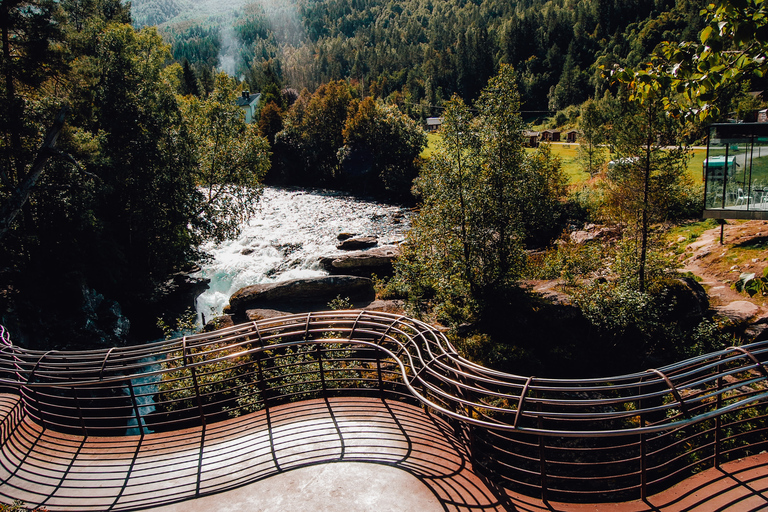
(423, 51)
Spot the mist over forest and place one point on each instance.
(423, 51)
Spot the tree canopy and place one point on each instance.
(118, 206)
(700, 76)
(481, 197)
(422, 51)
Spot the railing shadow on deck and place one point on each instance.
(69, 472)
(613, 439)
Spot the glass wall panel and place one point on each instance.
(736, 171)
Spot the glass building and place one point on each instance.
(736, 171)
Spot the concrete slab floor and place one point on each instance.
(332, 487)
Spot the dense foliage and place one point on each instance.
(703, 72)
(119, 204)
(424, 51)
(333, 139)
(481, 198)
(154, 156)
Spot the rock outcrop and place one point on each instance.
(738, 312)
(687, 301)
(363, 263)
(593, 232)
(299, 295)
(357, 243)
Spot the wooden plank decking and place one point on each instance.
(336, 454)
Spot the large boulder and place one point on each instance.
(363, 263)
(354, 244)
(686, 301)
(299, 295)
(593, 232)
(739, 313)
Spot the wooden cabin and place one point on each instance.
(550, 136)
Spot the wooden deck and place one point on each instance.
(336, 454)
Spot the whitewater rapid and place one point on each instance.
(289, 234)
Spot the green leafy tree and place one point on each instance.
(381, 148)
(232, 159)
(466, 245)
(32, 55)
(270, 121)
(189, 84)
(312, 137)
(544, 189)
(120, 206)
(732, 48)
(142, 155)
(649, 175)
(591, 137)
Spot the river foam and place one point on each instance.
(290, 232)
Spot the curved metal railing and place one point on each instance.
(610, 438)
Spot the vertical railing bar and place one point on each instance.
(379, 372)
(673, 389)
(199, 397)
(718, 418)
(542, 452)
(521, 402)
(643, 447)
(354, 326)
(77, 406)
(34, 388)
(258, 333)
(104, 363)
(306, 331)
(194, 381)
(319, 355)
(136, 409)
(37, 364)
(262, 382)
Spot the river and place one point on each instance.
(289, 234)
(291, 230)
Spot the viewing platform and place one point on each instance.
(369, 411)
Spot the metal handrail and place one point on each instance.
(206, 377)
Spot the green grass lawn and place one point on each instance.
(432, 140)
(569, 157)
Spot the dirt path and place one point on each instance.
(719, 266)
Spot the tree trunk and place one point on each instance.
(11, 209)
(646, 198)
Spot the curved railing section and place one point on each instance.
(611, 438)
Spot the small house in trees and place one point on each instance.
(531, 139)
(550, 136)
(736, 171)
(249, 103)
(434, 123)
(571, 135)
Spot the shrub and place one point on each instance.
(19, 506)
